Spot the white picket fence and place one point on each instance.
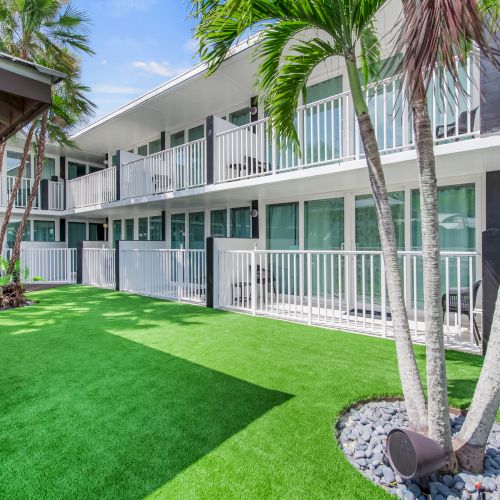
(172, 274)
(48, 265)
(175, 169)
(328, 130)
(345, 290)
(92, 189)
(98, 267)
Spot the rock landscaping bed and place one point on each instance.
(362, 434)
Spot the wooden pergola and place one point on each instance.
(25, 92)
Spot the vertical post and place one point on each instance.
(253, 283)
(491, 279)
(309, 288)
(62, 230)
(210, 149)
(118, 172)
(79, 263)
(180, 274)
(209, 256)
(117, 266)
(163, 142)
(44, 194)
(163, 225)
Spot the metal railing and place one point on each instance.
(172, 274)
(98, 267)
(92, 189)
(171, 170)
(328, 131)
(346, 289)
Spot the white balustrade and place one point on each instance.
(98, 267)
(56, 196)
(328, 132)
(346, 290)
(7, 183)
(171, 170)
(92, 189)
(172, 274)
(51, 265)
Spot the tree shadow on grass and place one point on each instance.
(93, 415)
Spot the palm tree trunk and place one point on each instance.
(17, 184)
(2, 151)
(470, 442)
(16, 251)
(408, 369)
(438, 417)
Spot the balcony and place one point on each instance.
(174, 169)
(50, 195)
(328, 135)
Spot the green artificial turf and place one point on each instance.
(108, 395)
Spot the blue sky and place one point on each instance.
(139, 44)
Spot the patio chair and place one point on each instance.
(462, 125)
(465, 305)
(243, 288)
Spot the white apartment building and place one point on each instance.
(295, 236)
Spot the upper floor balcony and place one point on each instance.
(50, 194)
(327, 131)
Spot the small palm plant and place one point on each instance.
(12, 290)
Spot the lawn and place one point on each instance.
(108, 395)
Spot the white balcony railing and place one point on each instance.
(23, 193)
(98, 267)
(92, 189)
(347, 289)
(328, 130)
(175, 169)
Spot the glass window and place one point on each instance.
(155, 146)
(218, 223)
(12, 228)
(155, 228)
(76, 170)
(325, 89)
(49, 169)
(177, 139)
(367, 235)
(240, 222)
(324, 224)
(197, 230)
(44, 230)
(283, 226)
(457, 218)
(143, 150)
(14, 161)
(93, 169)
(114, 160)
(240, 117)
(178, 230)
(196, 133)
(143, 229)
(129, 229)
(117, 231)
(96, 231)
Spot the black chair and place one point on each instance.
(462, 125)
(267, 281)
(465, 305)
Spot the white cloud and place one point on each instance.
(105, 88)
(191, 45)
(104, 61)
(164, 69)
(121, 7)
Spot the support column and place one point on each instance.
(62, 230)
(117, 266)
(118, 171)
(255, 219)
(209, 295)
(79, 262)
(210, 149)
(44, 194)
(163, 225)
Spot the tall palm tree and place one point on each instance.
(52, 33)
(296, 36)
(440, 32)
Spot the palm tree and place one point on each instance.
(52, 33)
(438, 33)
(296, 36)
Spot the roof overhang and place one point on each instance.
(25, 92)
